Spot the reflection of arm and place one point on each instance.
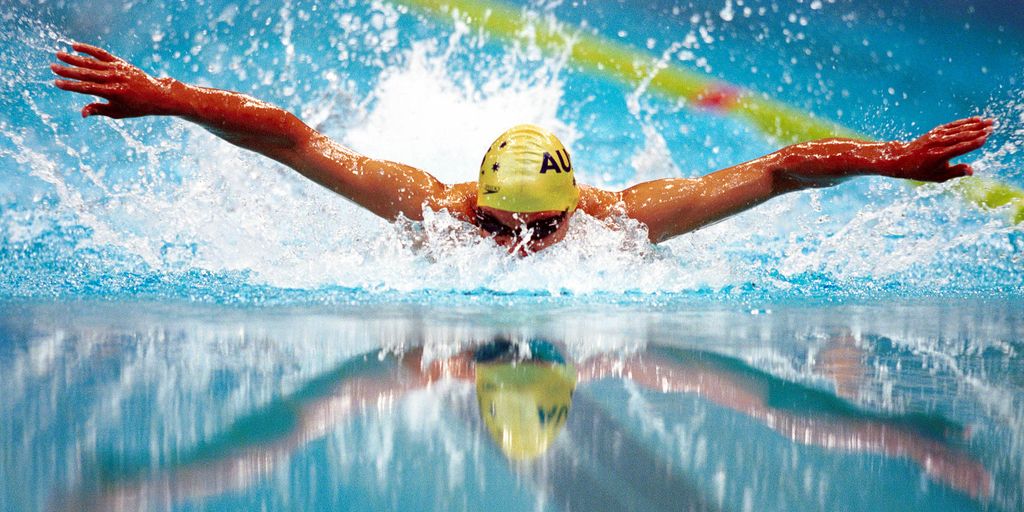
(254, 445)
(841, 429)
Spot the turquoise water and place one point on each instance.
(156, 208)
(159, 406)
(181, 322)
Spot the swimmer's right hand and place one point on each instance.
(129, 91)
(927, 158)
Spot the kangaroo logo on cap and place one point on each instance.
(563, 164)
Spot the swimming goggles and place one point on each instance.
(501, 349)
(538, 229)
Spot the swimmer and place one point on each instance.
(526, 191)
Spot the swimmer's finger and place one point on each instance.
(102, 109)
(83, 87)
(969, 127)
(972, 125)
(99, 53)
(956, 138)
(82, 62)
(961, 148)
(91, 75)
(958, 122)
(954, 171)
(943, 172)
(960, 170)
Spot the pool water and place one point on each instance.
(158, 208)
(187, 326)
(897, 406)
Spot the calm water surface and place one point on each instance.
(131, 406)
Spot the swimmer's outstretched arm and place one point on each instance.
(670, 207)
(388, 189)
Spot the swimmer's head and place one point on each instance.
(524, 401)
(527, 169)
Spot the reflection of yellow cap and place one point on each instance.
(524, 405)
(527, 169)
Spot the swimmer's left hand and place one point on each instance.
(129, 91)
(927, 157)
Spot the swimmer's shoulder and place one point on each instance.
(598, 202)
(459, 199)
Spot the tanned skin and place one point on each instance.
(668, 207)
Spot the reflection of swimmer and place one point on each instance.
(524, 399)
(814, 417)
(526, 191)
(525, 395)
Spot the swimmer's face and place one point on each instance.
(523, 233)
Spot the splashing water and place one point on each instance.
(156, 207)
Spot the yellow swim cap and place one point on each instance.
(524, 405)
(527, 169)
